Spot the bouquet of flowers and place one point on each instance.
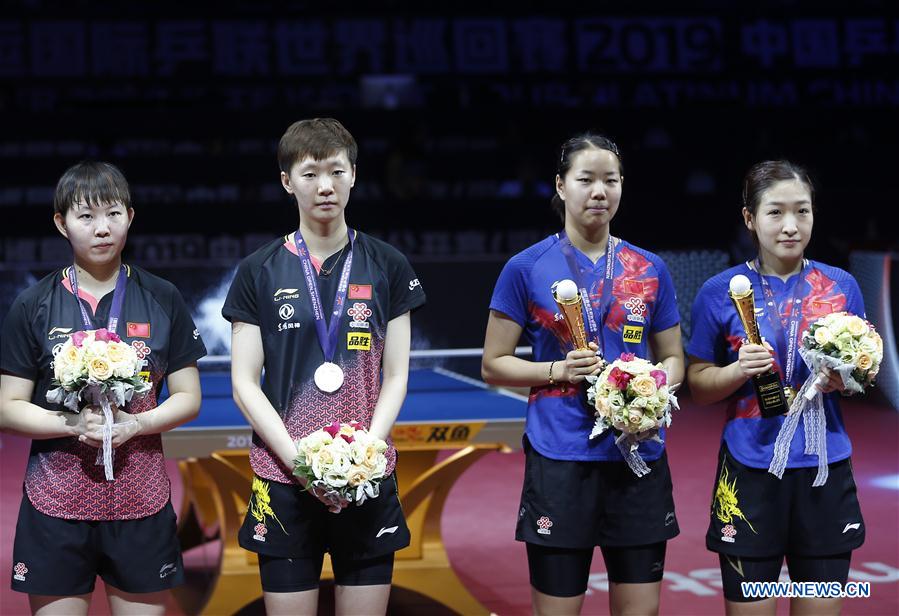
(845, 344)
(95, 367)
(632, 397)
(342, 464)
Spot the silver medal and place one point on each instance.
(328, 377)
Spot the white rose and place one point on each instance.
(99, 369)
(823, 336)
(856, 326)
(95, 349)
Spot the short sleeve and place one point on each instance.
(406, 292)
(18, 348)
(705, 326)
(185, 346)
(510, 295)
(240, 304)
(665, 312)
(855, 303)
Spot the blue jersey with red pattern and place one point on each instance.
(559, 420)
(718, 333)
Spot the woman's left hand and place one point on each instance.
(831, 381)
(126, 427)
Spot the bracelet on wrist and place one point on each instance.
(552, 381)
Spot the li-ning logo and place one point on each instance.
(282, 294)
(20, 570)
(59, 332)
(852, 526)
(386, 531)
(414, 283)
(167, 570)
(669, 518)
(543, 526)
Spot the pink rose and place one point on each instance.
(627, 357)
(104, 335)
(78, 338)
(660, 377)
(332, 429)
(619, 378)
(347, 437)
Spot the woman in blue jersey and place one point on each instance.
(579, 493)
(757, 519)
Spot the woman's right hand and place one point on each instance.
(753, 359)
(581, 363)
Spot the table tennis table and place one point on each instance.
(443, 410)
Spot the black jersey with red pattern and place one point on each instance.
(62, 478)
(269, 291)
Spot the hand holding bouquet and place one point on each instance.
(632, 397)
(95, 367)
(341, 464)
(845, 344)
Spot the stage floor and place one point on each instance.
(479, 523)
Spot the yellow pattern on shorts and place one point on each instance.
(260, 503)
(727, 506)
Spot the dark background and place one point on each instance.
(459, 110)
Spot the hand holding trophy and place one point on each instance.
(768, 389)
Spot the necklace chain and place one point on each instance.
(323, 271)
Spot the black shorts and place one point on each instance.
(754, 513)
(572, 504)
(284, 520)
(738, 569)
(59, 557)
(564, 572)
(279, 574)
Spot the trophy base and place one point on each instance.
(770, 394)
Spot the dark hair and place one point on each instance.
(318, 138)
(571, 147)
(93, 182)
(766, 174)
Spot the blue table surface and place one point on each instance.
(432, 397)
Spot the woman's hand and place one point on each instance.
(125, 427)
(580, 363)
(754, 359)
(828, 381)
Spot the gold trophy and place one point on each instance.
(768, 389)
(568, 298)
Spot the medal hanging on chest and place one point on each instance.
(328, 376)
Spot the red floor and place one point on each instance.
(480, 517)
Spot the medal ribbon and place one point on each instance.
(595, 320)
(327, 338)
(118, 299)
(781, 328)
(105, 454)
